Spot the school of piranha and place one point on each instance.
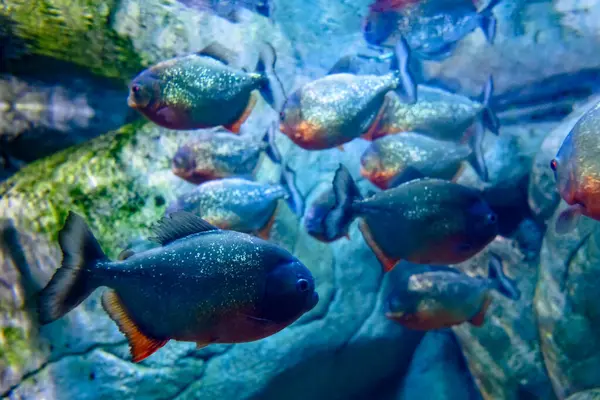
(211, 275)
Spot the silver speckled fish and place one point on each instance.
(432, 28)
(239, 204)
(212, 156)
(424, 221)
(577, 171)
(200, 284)
(429, 297)
(392, 160)
(202, 90)
(340, 107)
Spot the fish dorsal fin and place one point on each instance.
(178, 225)
(218, 52)
(140, 345)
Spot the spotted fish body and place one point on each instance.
(233, 203)
(428, 297)
(200, 91)
(411, 155)
(435, 297)
(577, 171)
(200, 285)
(217, 155)
(335, 109)
(432, 28)
(424, 221)
(438, 113)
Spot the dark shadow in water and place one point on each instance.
(12, 47)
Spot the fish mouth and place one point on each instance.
(312, 301)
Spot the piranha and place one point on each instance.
(445, 116)
(434, 297)
(340, 107)
(203, 90)
(432, 28)
(218, 155)
(241, 205)
(577, 172)
(202, 285)
(424, 221)
(392, 160)
(230, 9)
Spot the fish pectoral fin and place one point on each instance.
(178, 225)
(386, 262)
(141, 346)
(125, 254)
(236, 126)
(370, 134)
(218, 52)
(568, 219)
(201, 345)
(265, 232)
(479, 318)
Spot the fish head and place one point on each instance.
(289, 293)
(375, 169)
(303, 132)
(144, 91)
(378, 26)
(184, 162)
(577, 170)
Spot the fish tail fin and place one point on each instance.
(407, 86)
(271, 88)
(502, 283)
(488, 116)
(294, 198)
(73, 281)
(342, 214)
(271, 149)
(488, 22)
(476, 158)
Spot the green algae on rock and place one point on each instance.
(75, 31)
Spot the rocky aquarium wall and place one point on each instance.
(69, 142)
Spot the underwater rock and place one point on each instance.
(593, 394)
(438, 371)
(566, 303)
(121, 182)
(504, 353)
(37, 119)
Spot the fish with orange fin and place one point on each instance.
(424, 221)
(395, 159)
(340, 107)
(201, 284)
(218, 155)
(577, 172)
(203, 90)
(429, 297)
(432, 28)
(241, 205)
(442, 115)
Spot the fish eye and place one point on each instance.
(302, 285)
(136, 88)
(282, 115)
(492, 218)
(554, 165)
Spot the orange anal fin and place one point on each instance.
(479, 318)
(141, 346)
(370, 134)
(265, 231)
(386, 262)
(235, 127)
(458, 172)
(340, 147)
